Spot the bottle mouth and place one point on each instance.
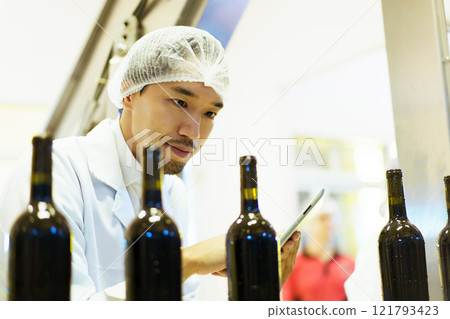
(43, 141)
(247, 160)
(394, 173)
(447, 179)
(152, 152)
(42, 155)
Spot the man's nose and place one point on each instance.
(190, 126)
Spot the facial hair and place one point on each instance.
(173, 167)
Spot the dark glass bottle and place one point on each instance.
(443, 244)
(40, 252)
(401, 249)
(153, 244)
(251, 245)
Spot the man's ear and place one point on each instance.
(127, 102)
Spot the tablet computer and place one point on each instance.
(293, 227)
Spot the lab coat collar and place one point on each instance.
(103, 159)
(131, 169)
(104, 164)
(123, 208)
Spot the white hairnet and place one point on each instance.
(171, 54)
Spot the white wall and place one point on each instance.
(40, 46)
(39, 50)
(17, 126)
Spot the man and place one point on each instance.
(170, 87)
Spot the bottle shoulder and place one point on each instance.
(444, 236)
(145, 222)
(255, 225)
(41, 217)
(399, 228)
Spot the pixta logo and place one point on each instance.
(281, 151)
(269, 151)
(141, 140)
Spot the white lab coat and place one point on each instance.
(365, 282)
(88, 188)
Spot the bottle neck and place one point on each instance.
(249, 188)
(249, 205)
(151, 186)
(447, 199)
(41, 172)
(396, 197)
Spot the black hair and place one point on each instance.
(142, 90)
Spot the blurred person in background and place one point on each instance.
(320, 270)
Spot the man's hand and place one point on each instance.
(204, 258)
(288, 255)
(209, 257)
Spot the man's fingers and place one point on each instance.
(294, 240)
(288, 255)
(296, 236)
(220, 273)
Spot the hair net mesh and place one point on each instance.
(169, 55)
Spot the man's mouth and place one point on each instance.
(180, 150)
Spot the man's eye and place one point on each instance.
(211, 114)
(179, 103)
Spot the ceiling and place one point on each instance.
(324, 57)
(41, 47)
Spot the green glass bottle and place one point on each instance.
(153, 244)
(40, 252)
(401, 249)
(443, 244)
(251, 245)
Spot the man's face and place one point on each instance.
(176, 116)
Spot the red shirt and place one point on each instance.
(313, 280)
